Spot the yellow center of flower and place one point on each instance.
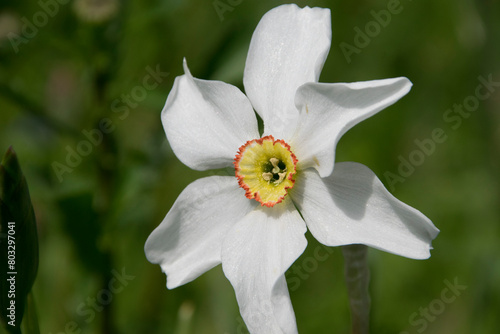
(265, 169)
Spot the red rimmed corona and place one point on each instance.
(265, 168)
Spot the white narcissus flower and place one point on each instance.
(250, 223)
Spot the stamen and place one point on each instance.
(275, 163)
(278, 173)
(267, 176)
(282, 177)
(266, 169)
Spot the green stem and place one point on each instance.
(357, 276)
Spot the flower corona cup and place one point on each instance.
(265, 168)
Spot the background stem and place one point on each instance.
(357, 277)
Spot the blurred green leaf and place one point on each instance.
(81, 223)
(18, 242)
(30, 323)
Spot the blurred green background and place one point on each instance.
(68, 68)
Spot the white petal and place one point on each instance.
(207, 121)
(188, 242)
(327, 111)
(255, 255)
(352, 207)
(288, 48)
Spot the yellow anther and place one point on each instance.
(275, 163)
(281, 177)
(267, 176)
